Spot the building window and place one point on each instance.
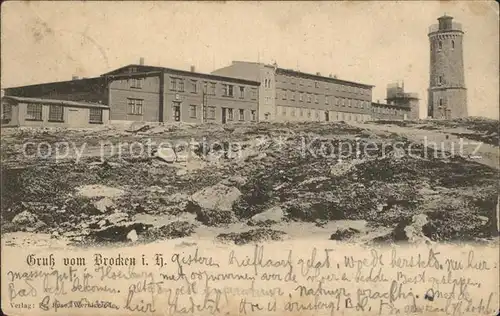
(56, 113)
(452, 44)
(254, 115)
(326, 99)
(316, 115)
(292, 96)
(349, 102)
(440, 102)
(211, 91)
(292, 112)
(440, 45)
(230, 114)
(177, 84)
(309, 98)
(242, 115)
(95, 116)
(194, 86)
(253, 94)
(135, 106)
(284, 95)
(137, 83)
(227, 90)
(193, 111)
(34, 112)
(301, 97)
(211, 112)
(284, 111)
(315, 98)
(316, 84)
(242, 92)
(308, 113)
(6, 112)
(301, 113)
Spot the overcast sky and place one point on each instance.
(369, 42)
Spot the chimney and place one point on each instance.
(74, 77)
(192, 68)
(318, 74)
(330, 75)
(141, 61)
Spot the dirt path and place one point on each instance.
(472, 150)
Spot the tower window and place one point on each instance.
(440, 102)
(453, 44)
(440, 45)
(440, 79)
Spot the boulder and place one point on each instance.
(116, 218)
(132, 236)
(218, 197)
(166, 154)
(25, 218)
(252, 236)
(235, 180)
(344, 233)
(273, 215)
(104, 205)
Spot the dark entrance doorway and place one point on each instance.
(177, 111)
(327, 116)
(224, 115)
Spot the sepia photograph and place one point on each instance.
(250, 158)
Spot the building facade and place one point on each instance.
(447, 95)
(289, 95)
(153, 94)
(149, 94)
(399, 105)
(38, 112)
(241, 92)
(408, 101)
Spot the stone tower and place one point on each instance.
(447, 92)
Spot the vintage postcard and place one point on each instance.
(250, 158)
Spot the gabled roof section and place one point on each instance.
(56, 102)
(132, 70)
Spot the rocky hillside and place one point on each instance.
(243, 183)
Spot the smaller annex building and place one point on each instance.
(37, 112)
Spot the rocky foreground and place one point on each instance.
(243, 183)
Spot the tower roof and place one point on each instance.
(445, 17)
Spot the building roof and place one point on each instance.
(79, 81)
(322, 78)
(306, 75)
(56, 102)
(398, 106)
(151, 69)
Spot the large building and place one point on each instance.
(447, 92)
(290, 95)
(241, 92)
(142, 93)
(158, 94)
